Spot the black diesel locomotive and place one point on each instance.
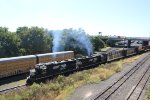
(46, 70)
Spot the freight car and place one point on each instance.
(46, 70)
(119, 53)
(146, 48)
(16, 65)
(22, 64)
(57, 56)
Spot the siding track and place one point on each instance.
(139, 75)
(12, 89)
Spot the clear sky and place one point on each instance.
(111, 17)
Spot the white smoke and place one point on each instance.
(81, 38)
(57, 35)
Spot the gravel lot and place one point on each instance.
(89, 91)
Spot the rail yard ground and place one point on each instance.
(125, 85)
(12, 84)
(64, 87)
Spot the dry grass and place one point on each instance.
(131, 59)
(61, 87)
(148, 92)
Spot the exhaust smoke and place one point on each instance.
(73, 38)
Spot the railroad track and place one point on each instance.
(115, 90)
(4, 91)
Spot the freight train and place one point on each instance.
(22, 64)
(50, 69)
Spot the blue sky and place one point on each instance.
(111, 17)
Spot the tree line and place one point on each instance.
(37, 40)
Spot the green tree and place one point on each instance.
(22, 31)
(36, 41)
(9, 43)
(97, 42)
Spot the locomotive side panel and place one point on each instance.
(50, 69)
(88, 61)
(63, 67)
